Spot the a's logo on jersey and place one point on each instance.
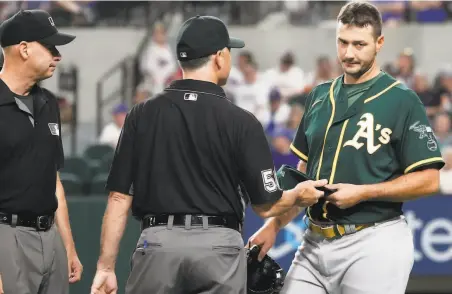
(367, 129)
(268, 177)
(425, 132)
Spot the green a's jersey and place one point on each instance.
(384, 133)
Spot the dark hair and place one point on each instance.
(253, 64)
(247, 55)
(322, 58)
(288, 59)
(361, 14)
(194, 64)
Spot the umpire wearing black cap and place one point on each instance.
(35, 254)
(191, 161)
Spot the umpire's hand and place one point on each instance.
(1, 286)
(75, 268)
(265, 238)
(104, 283)
(307, 194)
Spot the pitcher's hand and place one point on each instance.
(346, 195)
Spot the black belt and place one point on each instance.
(179, 220)
(40, 223)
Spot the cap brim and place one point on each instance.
(236, 43)
(58, 39)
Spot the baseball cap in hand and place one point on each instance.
(201, 36)
(30, 26)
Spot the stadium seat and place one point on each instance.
(97, 186)
(77, 166)
(100, 165)
(95, 154)
(72, 183)
(98, 151)
(105, 164)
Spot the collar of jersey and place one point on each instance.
(198, 86)
(6, 96)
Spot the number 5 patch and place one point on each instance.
(269, 180)
(54, 130)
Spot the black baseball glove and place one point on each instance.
(264, 277)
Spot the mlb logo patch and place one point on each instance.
(190, 96)
(54, 130)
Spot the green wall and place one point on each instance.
(86, 213)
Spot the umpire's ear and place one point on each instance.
(222, 59)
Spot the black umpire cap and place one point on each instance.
(201, 36)
(30, 26)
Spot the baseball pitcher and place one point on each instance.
(368, 134)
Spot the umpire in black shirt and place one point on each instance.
(34, 253)
(192, 161)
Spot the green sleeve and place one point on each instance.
(299, 145)
(417, 146)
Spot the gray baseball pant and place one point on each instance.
(375, 260)
(191, 259)
(32, 262)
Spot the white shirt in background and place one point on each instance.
(110, 135)
(253, 97)
(310, 79)
(158, 62)
(289, 83)
(445, 182)
(280, 117)
(235, 78)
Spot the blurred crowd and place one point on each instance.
(87, 13)
(64, 13)
(393, 12)
(276, 96)
(295, 12)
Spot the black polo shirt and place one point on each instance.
(191, 151)
(31, 152)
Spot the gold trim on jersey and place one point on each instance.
(421, 162)
(341, 137)
(382, 92)
(333, 104)
(333, 168)
(299, 153)
(338, 149)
